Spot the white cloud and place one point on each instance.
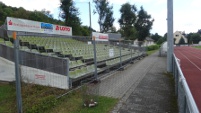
(32, 5)
(186, 12)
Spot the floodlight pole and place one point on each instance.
(170, 35)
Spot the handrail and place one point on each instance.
(190, 100)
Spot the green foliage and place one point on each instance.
(181, 41)
(156, 37)
(71, 16)
(7, 11)
(152, 47)
(199, 47)
(41, 99)
(127, 21)
(193, 38)
(85, 31)
(162, 39)
(144, 24)
(45, 104)
(134, 24)
(105, 13)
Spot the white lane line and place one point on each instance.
(190, 61)
(193, 55)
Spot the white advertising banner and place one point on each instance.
(100, 36)
(16, 24)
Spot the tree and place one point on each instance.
(162, 39)
(127, 21)
(113, 29)
(70, 15)
(156, 37)
(143, 24)
(182, 41)
(105, 13)
(85, 31)
(195, 38)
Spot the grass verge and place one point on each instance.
(199, 47)
(173, 98)
(151, 52)
(40, 99)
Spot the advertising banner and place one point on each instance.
(111, 53)
(16, 24)
(100, 36)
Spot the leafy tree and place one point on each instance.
(196, 38)
(113, 29)
(143, 24)
(181, 41)
(127, 21)
(162, 39)
(70, 15)
(105, 13)
(85, 31)
(156, 37)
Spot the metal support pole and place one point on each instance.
(121, 68)
(17, 73)
(170, 35)
(94, 44)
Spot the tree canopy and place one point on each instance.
(105, 13)
(193, 38)
(135, 24)
(143, 24)
(70, 15)
(8, 11)
(127, 21)
(156, 37)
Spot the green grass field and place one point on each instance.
(40, 99)
(199, 47)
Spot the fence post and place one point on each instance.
(70, 83)
(131, 53)
(95, 60)
(17, 74)
(121, 68)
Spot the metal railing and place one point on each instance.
(186, 101)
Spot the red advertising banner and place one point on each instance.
(100, 36)
(16, 24)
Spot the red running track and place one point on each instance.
(190, 60)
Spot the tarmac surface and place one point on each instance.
(143, 87)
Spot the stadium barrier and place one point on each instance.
(39, 69)
(185, 99)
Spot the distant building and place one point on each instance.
(147, 42)
(178, 35)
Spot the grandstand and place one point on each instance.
(70, 56)
(79, 53)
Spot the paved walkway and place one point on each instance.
(142, 87)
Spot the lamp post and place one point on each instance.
(170, 35)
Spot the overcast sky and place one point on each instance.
(186, 12)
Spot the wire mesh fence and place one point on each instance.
(51, 65)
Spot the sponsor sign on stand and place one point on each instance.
(16, 24)
(100, 36)
(111, 52)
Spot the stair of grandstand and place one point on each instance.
(80, 54)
